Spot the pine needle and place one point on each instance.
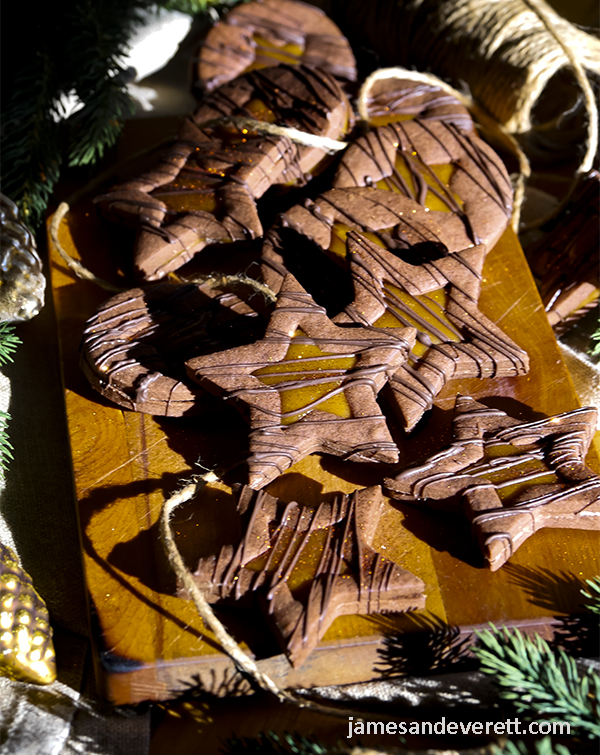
(8, 342)
(593, 596)
(541, 747)
(595, 350)
(538, 682)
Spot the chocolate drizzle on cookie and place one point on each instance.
(133, 347)
(204, 189)
(440, 167)
(309, 565)
(307, 386)
(510, 478)
(394, 99)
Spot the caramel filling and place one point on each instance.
(294, 557)
(437, 179)
(383, 120)
(512, 472)
(187, 193)
(425, 312)
(321, 374)
(190, 192)
(269, 53)
(339, 231)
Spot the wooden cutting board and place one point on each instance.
(151, 644)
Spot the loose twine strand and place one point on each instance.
(214, 280)
(242, 661)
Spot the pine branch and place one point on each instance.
(8, 342)
(6, 448)
(101, 43)
(541, 747)
(275, 744)
(30, 144)
(538, 682)
(198, 7)
(594, 595)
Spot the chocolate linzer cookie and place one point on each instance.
(394, 221)
(396, 99)
(268, 32)
(134, 346)
(204, 188)
(307, 566)
(510, 478)
(440, 167)
(307, 386)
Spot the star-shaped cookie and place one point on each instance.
(309, 385)
(203, 189)
(454, 338)
(510, 478)
(309, 566)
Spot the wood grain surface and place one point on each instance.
(151, 644)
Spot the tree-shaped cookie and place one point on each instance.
(510, 478)
(309, 565)
(309, 385)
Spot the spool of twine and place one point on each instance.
(523, 63)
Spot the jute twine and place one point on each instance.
(244, 664)
(214, 280)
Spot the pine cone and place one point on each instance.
(26, 649)
(21, 281)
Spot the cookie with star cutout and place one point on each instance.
(509, 478)
(439, 166)
(439, 298)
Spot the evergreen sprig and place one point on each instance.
(199, 7)
(593, 596)
(103, 33)
(541, 747)
(8, 343)
(30, 141)
(271, 743)
(538, 682)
